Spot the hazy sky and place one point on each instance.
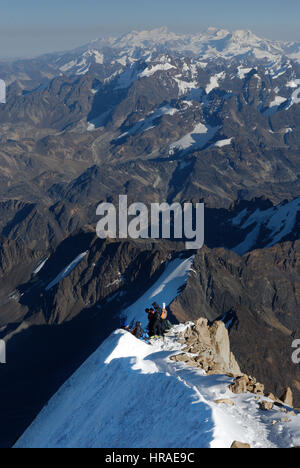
(32, 27)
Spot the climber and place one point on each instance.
(150, 313)
(156, 325)
(126, 326)
(165, 324)
(139, 333)
(156, 307)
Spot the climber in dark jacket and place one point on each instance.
(156, 307)
(139, 333)
(156, 328)
(150, 313)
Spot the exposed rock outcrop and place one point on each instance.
(240, 445)
(266, 405)
(208, 347)
(246, 383)
(224, 401)
(257, 295)
(287, 397)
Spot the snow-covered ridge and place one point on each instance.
(66, 271)
(81, 65)
(211, 43)
(214, 82)
(166, 289)
(130, 395)
(205, 46)
(40, 266)
(197, 139)
(149, 122)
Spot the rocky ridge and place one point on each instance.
(207, 346)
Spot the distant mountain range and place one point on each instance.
(158, 116)
(118, 52)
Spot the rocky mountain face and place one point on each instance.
(220, 130)
(208, 348)
(257, 296)
(157, 116)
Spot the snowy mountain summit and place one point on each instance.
(131, 394)
(211, 43)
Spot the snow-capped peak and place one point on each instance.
(207, 45)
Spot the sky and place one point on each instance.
(32, 27)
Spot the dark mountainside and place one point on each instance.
(159, 121)
(258, 295)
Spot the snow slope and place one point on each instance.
(205, 46)
(40, 266)
(197, 139)
(208, 44)
(214, 82)
(150, 121)
(164, 290)
(66, 271)
(279, 221)
(130, 395)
